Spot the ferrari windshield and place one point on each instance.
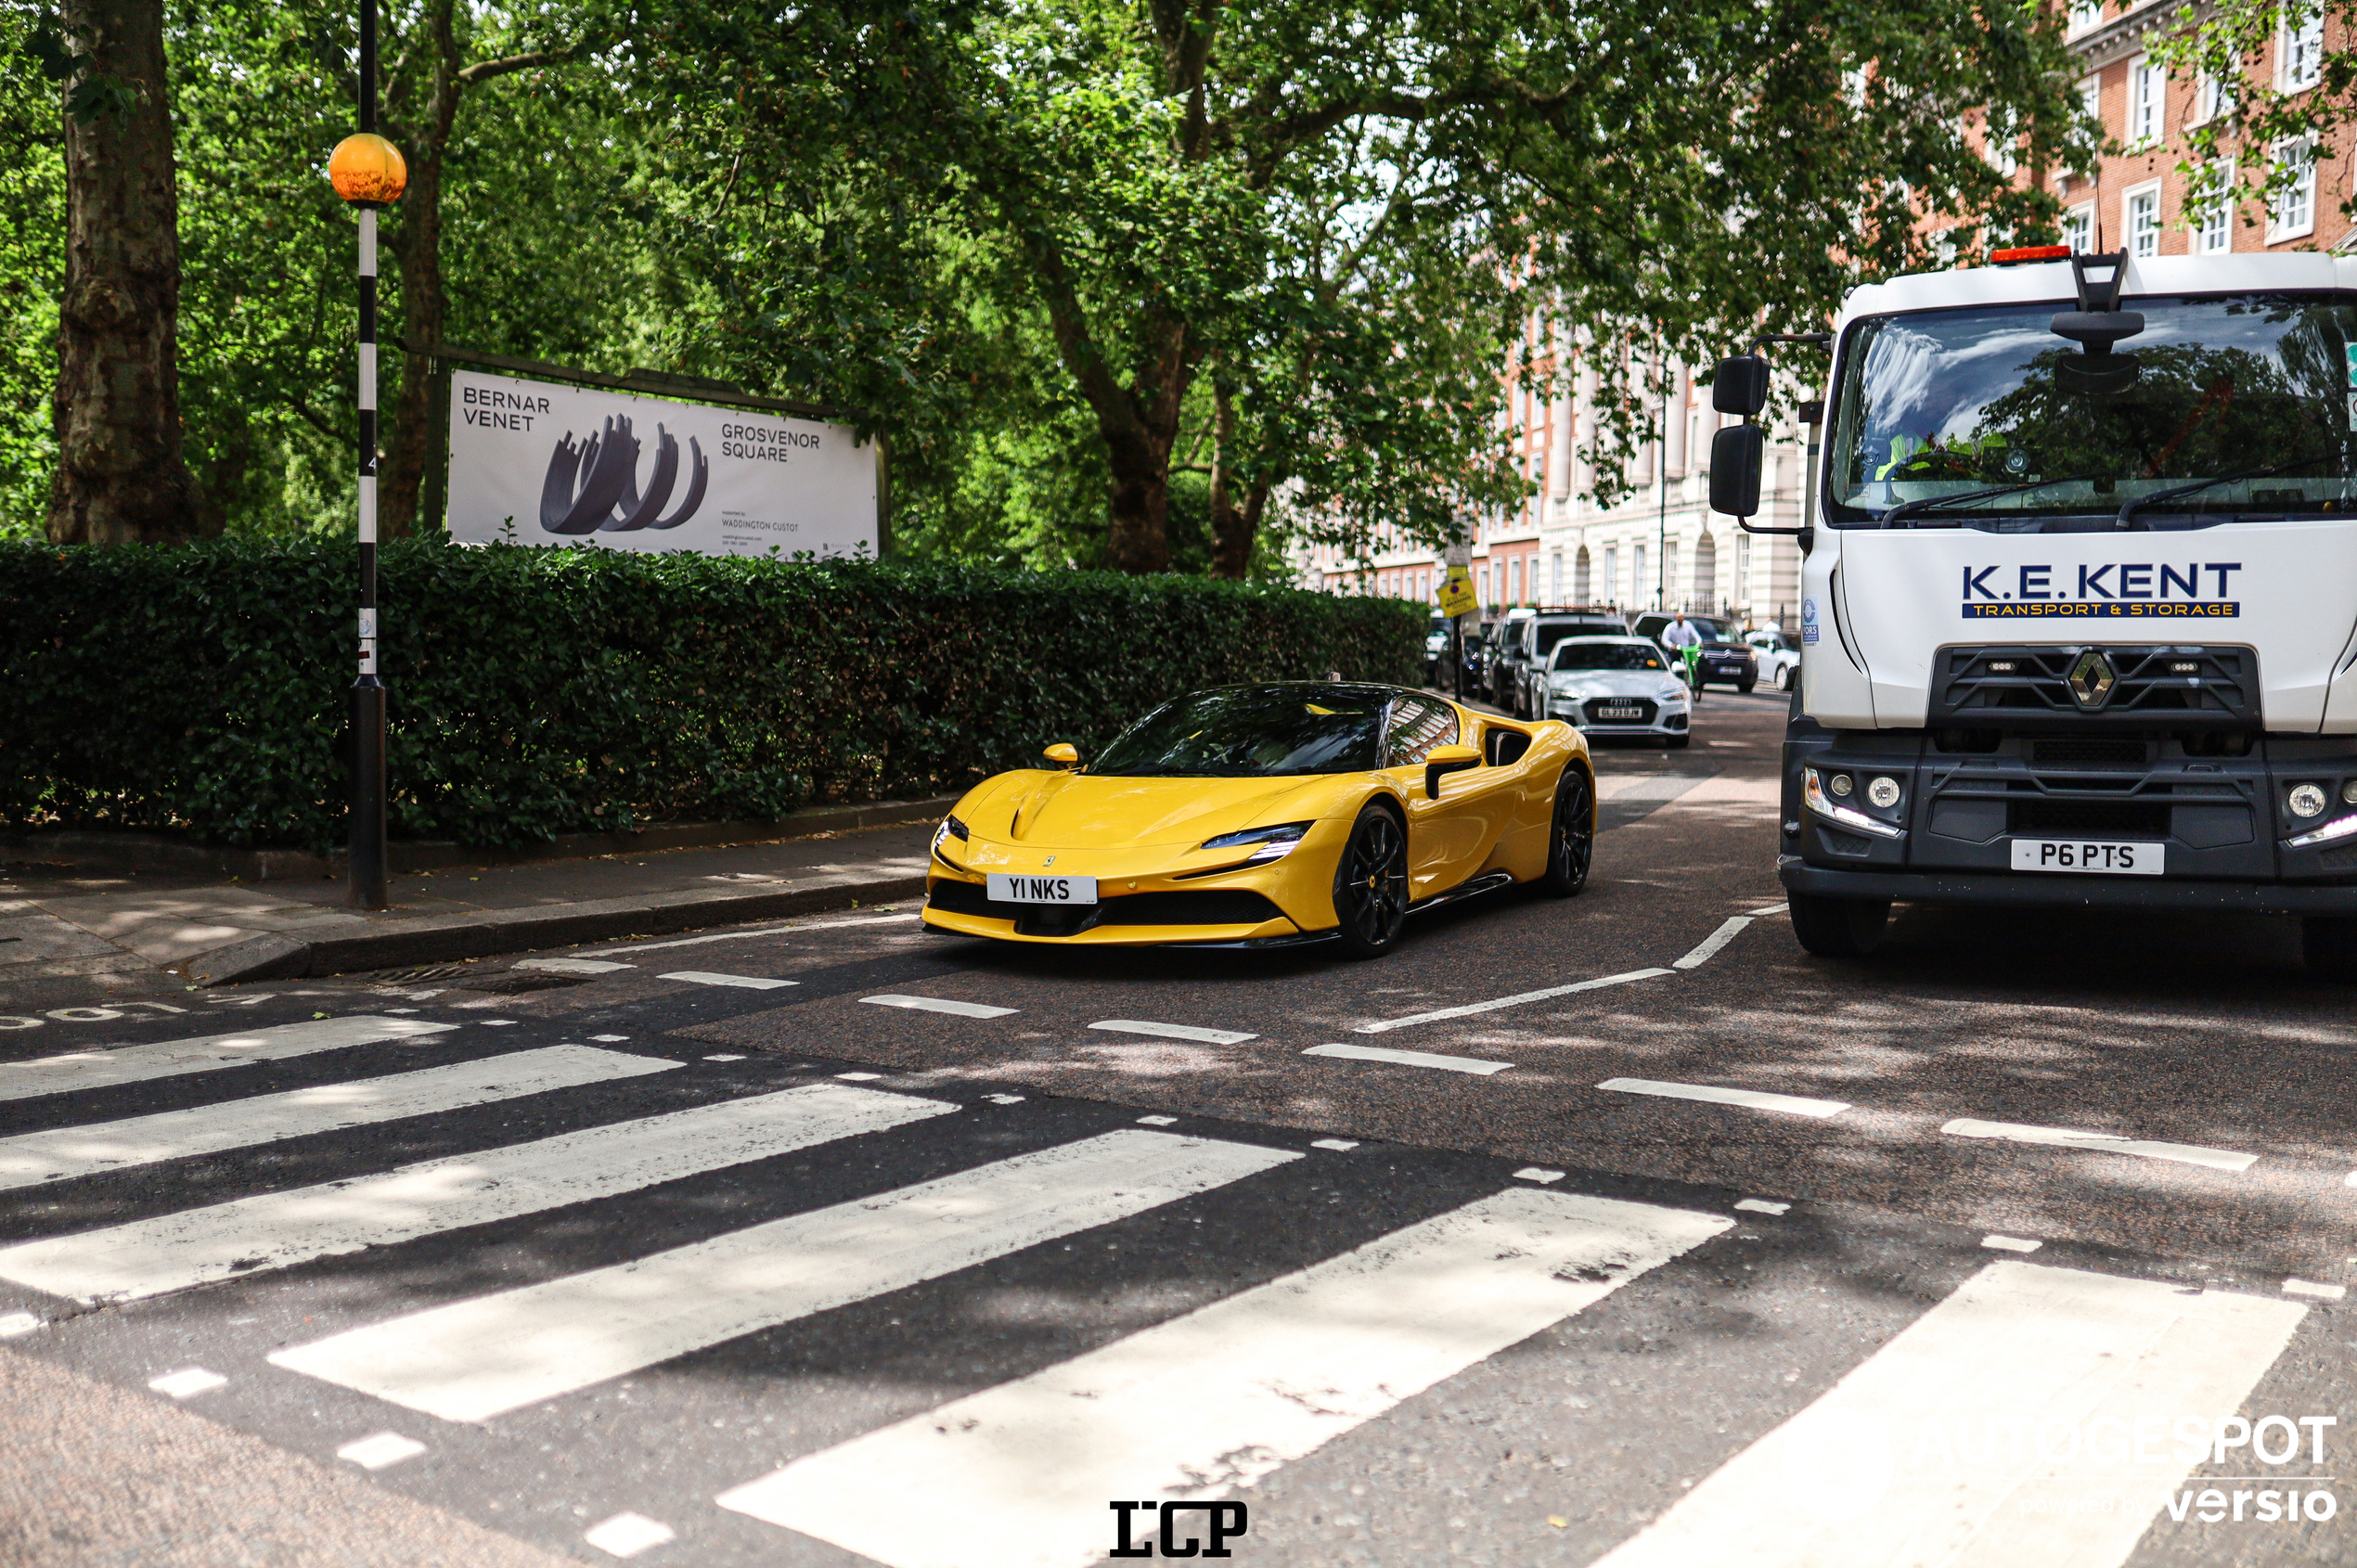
(1615, 655)
(1249, 731)
(2219, 409)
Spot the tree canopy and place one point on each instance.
(1120, 283)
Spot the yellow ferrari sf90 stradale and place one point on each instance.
(1266, 817)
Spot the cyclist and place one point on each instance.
(1684, 642)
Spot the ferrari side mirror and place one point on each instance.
(1443, 759)
(1063, 754)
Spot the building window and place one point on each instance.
(2147, 93)
(2212, 98)
(2085, 14)
(2212, 217)
(1668, 573)
(2139, 220)
(2292, 212)
(1555, 578)
(1484, 574)
(1514, 573)
(1641, 586)
(2078, 227)
(2299, 51)
(1612, 573)
(2091, 99)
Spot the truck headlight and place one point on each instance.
(1884, 791)
(1813, 794)
(2306, 800)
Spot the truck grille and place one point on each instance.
(2076, 752)
(2153, 687)
(2146, 819)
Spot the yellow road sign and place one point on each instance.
(1457, 594)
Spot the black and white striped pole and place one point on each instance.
(368, 171)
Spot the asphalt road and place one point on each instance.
(1852, 1265)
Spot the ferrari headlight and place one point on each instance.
(1275, 842)
(950, 828)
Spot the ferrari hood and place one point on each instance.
(1080, 811)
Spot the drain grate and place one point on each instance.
(428, 971)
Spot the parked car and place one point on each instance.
(1435, 649)
(1779, 656)
(1725, 661)
(1518, 676)
(1623, 686)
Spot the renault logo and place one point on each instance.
(2090, 679)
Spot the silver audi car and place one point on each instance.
(1617, 686)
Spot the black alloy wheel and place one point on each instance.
(1571, 842)
(1838, 928)
(1370, 885)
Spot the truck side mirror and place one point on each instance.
(1740, 385)
(1736, 455)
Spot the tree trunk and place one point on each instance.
(417, 248)
(121, 476)
(1140, 507)
(1233, 527)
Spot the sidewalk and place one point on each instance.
(64, 921)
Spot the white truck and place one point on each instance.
(2078, 596)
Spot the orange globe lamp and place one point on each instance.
(367, 169)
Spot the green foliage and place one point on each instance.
(33, 242)
(2249, 153)
(543, 691)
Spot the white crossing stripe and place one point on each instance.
(1772, 909)
(166, 1059)
(1729, 928)
(1411, 1059)
(1176, 1032)
(277, 1229)
(936, 1004)
(2026, 1422)
(475, 1359)
(1514, 1001)
(1205, 1404)
(63, 1154)
(2011, 1244)
(2106, 1143)
(1752, 1100)
(742, 982)
(1762, 1206)
(187, 1383)
(627, 1534)
(2311, 1288)
(380, 1450)
(572, 966)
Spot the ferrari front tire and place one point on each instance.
(1571, 839)
(1370, 885)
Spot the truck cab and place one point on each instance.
(2079, 601)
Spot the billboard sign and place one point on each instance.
(548, 463)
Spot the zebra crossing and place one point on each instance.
(1250, 1313)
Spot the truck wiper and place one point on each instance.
(1940, 503)
(2131, 509)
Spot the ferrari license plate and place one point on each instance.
(1620, 713)
(2100, 855)
(1007, 889)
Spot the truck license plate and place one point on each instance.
(1007, 889)
(2103, 857)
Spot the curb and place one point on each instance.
(158, 851)
(432, 939)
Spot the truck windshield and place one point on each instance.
(1950, 403)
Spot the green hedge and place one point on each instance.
(543, 691)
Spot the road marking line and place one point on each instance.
(936, 1004)
(63, 1154)
(627, 1534)
(1176, 1032)
(2011, 1244)
(745, 935)
(187, 1383)
(1772, 909)
(2106, 1143)
(610, 1039)
(380, 1450)
(1159, 1121)
(1910, 1458)
(1754, 1100)
(1471, 1007)
(247, 1236)
(1761, 1206)
(1004, 1098)
(2311, 1288)
(1211, 1402)
(572, 966)
(1339, 1144)
(1729, 928)
(165, 1059)
(743, 982)
(1538, 1174)
(859, 1077)
(15, 1323)
(1410, 1059)
(475, 1359)
(725, 1056)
